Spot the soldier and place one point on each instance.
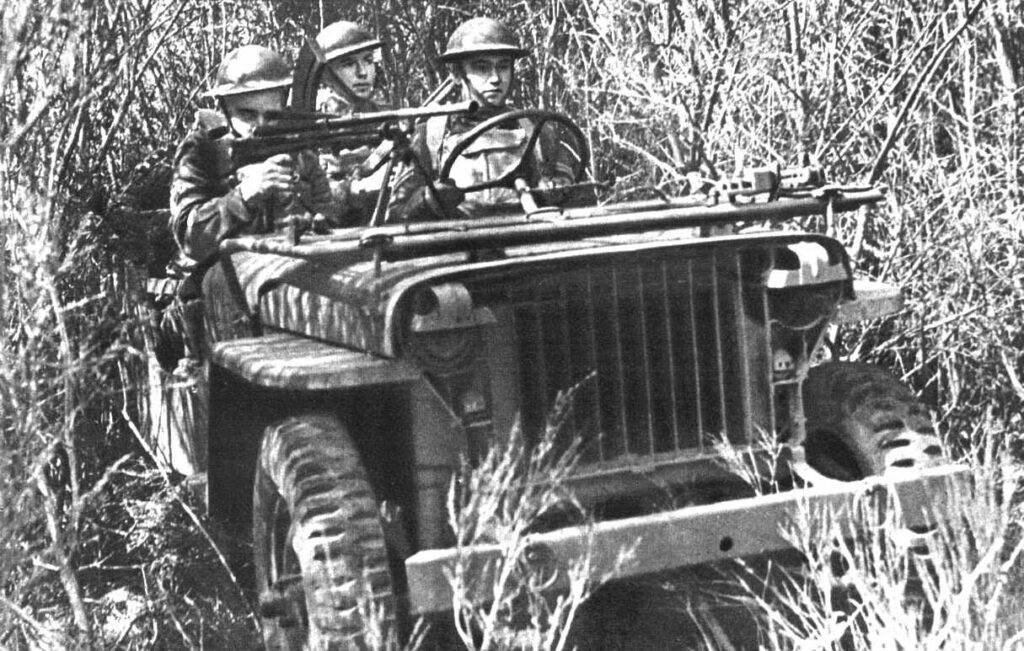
(212, 200)
(481, 55)
(352, 54)
(356, 175)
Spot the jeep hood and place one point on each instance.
(365, 306)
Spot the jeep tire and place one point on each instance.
(320, 557)
(862, 422)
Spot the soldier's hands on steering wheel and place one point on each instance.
(572, 141)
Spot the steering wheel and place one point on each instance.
(539, 118)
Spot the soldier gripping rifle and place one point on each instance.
(216, 195)
(251, 167)
(295, 131)
(360, 132)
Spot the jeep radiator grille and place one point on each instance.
(665, 352)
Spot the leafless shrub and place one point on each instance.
(507, 603)
(87, 90)
(759, 465)
(864, 584)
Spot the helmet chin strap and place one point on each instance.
(333, 78)
(339, 86)
(223, 105)
(459, 74)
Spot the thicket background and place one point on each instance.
(96, 549)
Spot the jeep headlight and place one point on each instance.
(443, 332)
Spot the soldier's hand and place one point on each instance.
(319, 190)
(556, 175)
(444, 199)
(552, 182)
(273, 177)
(371, 183)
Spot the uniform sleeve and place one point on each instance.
(318, 195)
(339, 183)
(558, 162)
(205, 210)
(409, 194)
(356, 204)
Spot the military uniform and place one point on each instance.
(346, 166)
(490, 156)
(207, 206)
(343, 166)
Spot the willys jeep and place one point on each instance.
(351, 373)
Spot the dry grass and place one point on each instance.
(516, 489)
(87, 90)
(866, 589)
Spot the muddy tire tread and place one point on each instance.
(862, 422)
(335, 528)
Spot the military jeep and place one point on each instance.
(351, 373)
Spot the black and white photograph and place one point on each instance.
(511, 325)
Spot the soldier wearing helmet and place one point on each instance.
(347, 87)
(351, 52)
(212, 200)
(481, 55)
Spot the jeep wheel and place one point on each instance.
(862, 422)
(320, 557)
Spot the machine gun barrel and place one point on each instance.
(296, 132)
(246, 151)
(304, 123)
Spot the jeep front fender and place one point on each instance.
(285, 361)
(872, 300)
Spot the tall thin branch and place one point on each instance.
(879, 165)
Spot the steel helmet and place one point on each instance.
(343, 38)
(251, 68)
(481, 36)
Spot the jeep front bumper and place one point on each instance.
(692, 535)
